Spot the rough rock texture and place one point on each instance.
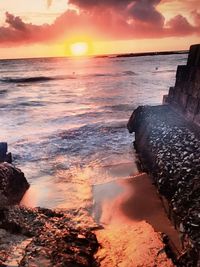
(52, 240)
(169, 148)
(38, 237)
(185, 95)
(13, 184)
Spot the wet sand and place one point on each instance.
(132, 214)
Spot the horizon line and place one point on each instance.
(128, 54)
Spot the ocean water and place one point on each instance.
(65, 120)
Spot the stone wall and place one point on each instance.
(185, 95)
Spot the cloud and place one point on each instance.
(18, 32)
(100, 3)
(106, 19)
(49, 3)
(145, 11)
(15, 22)
(180, 26)
(189, 4)
(196, 16)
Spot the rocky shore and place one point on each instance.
(13, 184)
(167, 139)
(42, 237)
(168, 144)
(39, 237)
(50, 240)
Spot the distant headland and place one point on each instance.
(143, 54)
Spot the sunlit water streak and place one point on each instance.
(65, 120)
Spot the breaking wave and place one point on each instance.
(26, 80)
(37, 79)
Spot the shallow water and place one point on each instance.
(65, 120)
(133, 216)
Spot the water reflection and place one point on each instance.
(130, 210)
(66, 129)
(70, 188)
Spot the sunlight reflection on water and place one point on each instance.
(66, 127)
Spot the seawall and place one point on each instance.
(167, 140)
(185, 95)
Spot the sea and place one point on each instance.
(64, 120)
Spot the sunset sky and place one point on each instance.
(50, 27)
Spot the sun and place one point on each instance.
(79, 49)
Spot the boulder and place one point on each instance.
(13, 184)
(135, 119)
(52, 238)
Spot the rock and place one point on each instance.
(13, 184)
(38, 237)
(53, 241)
(135, 119)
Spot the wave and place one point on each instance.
(95, 129)
(124, 73)
(120, 107)
(32, 104)
(17, 106)
(35, 79)
(26, 80)
(82, 142)
(128, 73)
(164, 71)
(3, 92)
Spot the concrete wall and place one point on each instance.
(185, 95)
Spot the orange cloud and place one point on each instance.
(108, 19)
(189, 4)
(49, 2)
(196, 17)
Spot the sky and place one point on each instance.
(40, 28)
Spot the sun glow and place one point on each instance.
(79, 49)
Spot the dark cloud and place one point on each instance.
(15, 22)
(179, 25)
(100, 3)
(145, 10)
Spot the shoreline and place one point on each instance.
(129, 219)
(136, 230)
(133, 219)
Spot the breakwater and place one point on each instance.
(167, 141)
